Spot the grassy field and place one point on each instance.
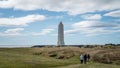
(91, 65)
(40, 58)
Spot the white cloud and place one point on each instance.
(43, 32)
(56, 17)
(12, 32)
(92, 16)
(91, 28)
(18, 32)
(113, 13)
(21, 21)
(93, 24)
(73, 7)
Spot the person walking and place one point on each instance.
(85, 58)
(88, 57)
(81, 59)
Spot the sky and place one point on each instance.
(35, 22)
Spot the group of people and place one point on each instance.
(84, 58)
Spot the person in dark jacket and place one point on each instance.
(85, 58)
(88, 57)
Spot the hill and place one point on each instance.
(54, 57)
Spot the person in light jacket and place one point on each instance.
(81, 59)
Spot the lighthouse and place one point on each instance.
(60, 35)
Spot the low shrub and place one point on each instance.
(60, 57)
(107, 57)
(53, 55)
(117, 62)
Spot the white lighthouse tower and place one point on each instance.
(60, 35)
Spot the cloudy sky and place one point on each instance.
(34, 22)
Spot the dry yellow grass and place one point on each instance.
(69, 52)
